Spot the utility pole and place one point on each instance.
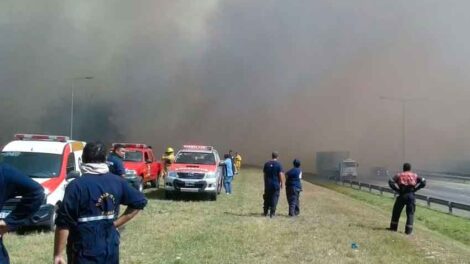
(403, 102)
(72, 101)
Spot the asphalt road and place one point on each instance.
(435, 187)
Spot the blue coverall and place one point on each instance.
(293, 188)
(272, 186)
(116, 165)
(88, 212)
(228, 175)
(14, 183)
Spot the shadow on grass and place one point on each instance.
(159, 194)
(29, 230)
(254, 214)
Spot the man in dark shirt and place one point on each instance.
(273, 182)
(86, 219)
(115, 163)
(14, 183)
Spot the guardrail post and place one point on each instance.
(428, 201)
(351, 183)
(450, 207)
(381, 191)
(359, 184)
(370, 188)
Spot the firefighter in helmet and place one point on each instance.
(167, 159)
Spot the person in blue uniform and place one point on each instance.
(405, 184)
(293, 188)
(228, 173)
(14, 183)
(86, 221)
(273, 182)
(115, 163)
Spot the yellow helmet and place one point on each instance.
(169, 150)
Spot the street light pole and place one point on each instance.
(72, 101)
(403, 101)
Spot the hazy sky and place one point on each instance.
(255, 76)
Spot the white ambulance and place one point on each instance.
(52, 161)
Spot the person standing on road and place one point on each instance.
(293, 188)
(115, 160)
(14, 183)
(238, 162)
(405, 184)
(86, 222)
(273, 182)
(228, 173)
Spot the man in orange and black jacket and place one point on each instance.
(405, 184)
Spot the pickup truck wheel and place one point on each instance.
(139, 185)
(219, 185)
(168, 195)
(155, 183)
(51, 223)
(213, 196)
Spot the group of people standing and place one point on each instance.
(87, 218)
(274, 182)
(89, 230)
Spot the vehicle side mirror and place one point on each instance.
(73, 175)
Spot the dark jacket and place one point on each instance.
(88, 211)
(14, 183)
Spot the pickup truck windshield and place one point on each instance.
(133, 156)
(35, 165)
(195, 158)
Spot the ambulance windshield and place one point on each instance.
(35, 165)
(133, 156)
(195, 158)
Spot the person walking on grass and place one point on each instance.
(405, 184)
(293, 188)
(273, 183)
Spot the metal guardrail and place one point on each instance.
(429, 200)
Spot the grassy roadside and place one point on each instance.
(452, 226)
(232, 230)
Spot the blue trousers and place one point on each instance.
(293, 194)
(4, 259)
(228, 184)
(271, 197)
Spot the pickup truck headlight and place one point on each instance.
(131, 172)
(210, 175)
(172, 174)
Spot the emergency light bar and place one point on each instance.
(132, 145)
(41, 137)
(197, 147)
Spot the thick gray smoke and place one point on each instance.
(254, 76)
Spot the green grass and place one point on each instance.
(455, 227)
(232, 230)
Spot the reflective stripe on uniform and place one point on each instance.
(95, 218)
